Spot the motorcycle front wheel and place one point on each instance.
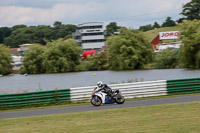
(96, 101)
(120, 100)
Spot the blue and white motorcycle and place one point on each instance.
(99, 97)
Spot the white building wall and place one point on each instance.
(90, 24)
(92, 37)
(91, 30)
(93, 45)
(92, 27)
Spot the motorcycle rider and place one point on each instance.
(104, 87)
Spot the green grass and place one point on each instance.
(171, 118)
(151, 34)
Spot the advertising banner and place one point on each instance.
(169, 35)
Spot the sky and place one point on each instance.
(127, 13)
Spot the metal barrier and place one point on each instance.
(129, 90)
(183, 86)
(34, 98)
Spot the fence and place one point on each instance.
(34, 98)
(129, 90)
(183, 86)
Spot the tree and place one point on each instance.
(57, 24)
(168, 22)
(32, 62)
(167, 58)
(62, 56)
(146, 27)
(129, 50)
(65, 31)
(190, 50)
(191, 10)
(4, 32)
(38, 34)
(98, 62)
(20, 36)
(5, 60)
(156, 25)
(111, 28)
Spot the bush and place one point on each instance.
(166, 59)
(5, 60)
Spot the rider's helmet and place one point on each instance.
(100, 84)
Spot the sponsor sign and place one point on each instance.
(169, 35)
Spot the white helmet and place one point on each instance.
(99, 84)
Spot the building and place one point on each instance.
(172, 45)
(157, 42)
(23, 48)
(90, 36)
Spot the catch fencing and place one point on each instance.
(128, 90)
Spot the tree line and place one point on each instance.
(190, 11)
(126, 51)
(21, 34)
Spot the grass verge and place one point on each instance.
(171, 118)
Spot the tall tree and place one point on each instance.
(191, 10)
(57, 24)
(32, 62)
(4, 32)
(129, 50)
(62, 56)
(111, 28)
(5, 60)
(168, 22)
(156, 25)
(190, 50)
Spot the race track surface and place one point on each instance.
(37, 112)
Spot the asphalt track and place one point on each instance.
(38, 112)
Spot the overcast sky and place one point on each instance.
(128, 13)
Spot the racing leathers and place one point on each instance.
(104, 88)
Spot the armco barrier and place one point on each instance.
(34, 98)
(129, 90)
(182, 86)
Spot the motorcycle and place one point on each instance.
(99, 97)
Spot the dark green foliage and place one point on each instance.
(129, 50)
(191, 10)
(58, 56)
(99, 62)
(111, 28)
(146, 27)
(156, 25)
(95, 63)
(32, 62)
(4, 32)
(83, 66)
(5, 60)
(169, 23)
(21, 34)
(190, 50)
(167, 58)
(62, 56)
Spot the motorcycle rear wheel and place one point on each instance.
(120, 100)
(96, 102)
